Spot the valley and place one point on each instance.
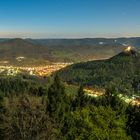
(28, 52)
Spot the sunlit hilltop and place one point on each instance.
(128, 49)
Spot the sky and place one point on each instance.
(69, 18)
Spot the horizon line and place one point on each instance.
(69, 37)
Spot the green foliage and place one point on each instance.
(57, 99)
(26, 118)
(98, 123)
(20, 85)
(54, 114)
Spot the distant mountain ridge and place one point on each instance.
(64, 50)
(134, 41)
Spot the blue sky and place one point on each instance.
(69, 18)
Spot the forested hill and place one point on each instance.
(120, 72)
(12, 48)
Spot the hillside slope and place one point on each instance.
(120, 72)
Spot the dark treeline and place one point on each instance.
(22, 84)
(52, 115)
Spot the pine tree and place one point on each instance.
(57, 100)
(79, 99)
